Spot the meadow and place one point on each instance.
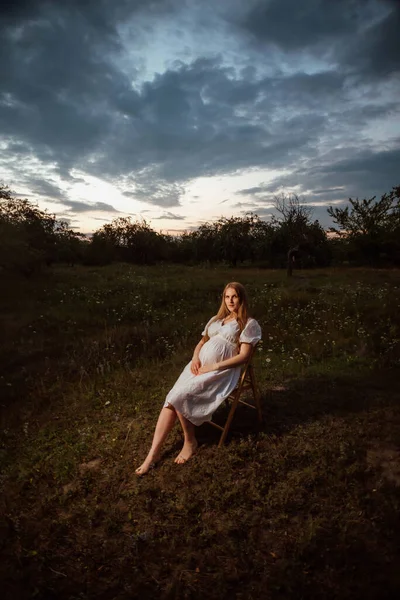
(304, 506)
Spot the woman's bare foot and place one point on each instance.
(144, 468)
(189, 448)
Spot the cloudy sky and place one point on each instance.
(182, 111)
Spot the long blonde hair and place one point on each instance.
(243, 312)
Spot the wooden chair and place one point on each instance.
(247, 381)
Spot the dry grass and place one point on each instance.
(307, 507)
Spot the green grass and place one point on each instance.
(305, 507)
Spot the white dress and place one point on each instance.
(196, 397)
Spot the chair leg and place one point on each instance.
(256, 394)
(229, 419)
(247, 376)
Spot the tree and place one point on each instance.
(370, 227)
(294, 213)
(263, 233)
(127, 240)
(31, 238)
(297, 238)
(26, 233)
(204, 243)
(234, 238)
(70, 245)
(230, 239)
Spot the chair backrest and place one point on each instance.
(246, 382)
(246, 365)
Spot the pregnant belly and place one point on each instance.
(216, 349)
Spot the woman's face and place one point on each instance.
(232, 300)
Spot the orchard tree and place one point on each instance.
(263, 233)
(370, 227)
(127, 240)
(205, 243)
(234, 238)
(298, 238)
(295, 215)
(27, 234)
(70, 245)
(230, 239)
(30, 237)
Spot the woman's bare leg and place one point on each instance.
(190, 442)
(165, 423)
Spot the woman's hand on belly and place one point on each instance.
(195, 366)
(207, 368)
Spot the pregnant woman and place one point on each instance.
(211, 375)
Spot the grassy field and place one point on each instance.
(305, 507)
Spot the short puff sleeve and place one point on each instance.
(204, 332)
(251, 334)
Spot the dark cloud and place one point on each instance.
(327, 191)
(248, 206)
(46, 189)
(76, 206)
(363, 173)
(70, 104)
(368, 162)
(16, 9)
(293, 25)
(188, 126)
(159, 192)
(300, 99)
(250, 191)
(375, 51)
(361, 36)
(102, 13)
(170, 216)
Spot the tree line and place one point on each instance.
(365, 232)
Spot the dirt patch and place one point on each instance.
(70, 487)
(278, 388)
(92, 465)
(386, 458)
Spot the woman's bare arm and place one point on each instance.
(198, 348)
(196, 364)
(235, 361)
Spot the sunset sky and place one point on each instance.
(183, 111)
